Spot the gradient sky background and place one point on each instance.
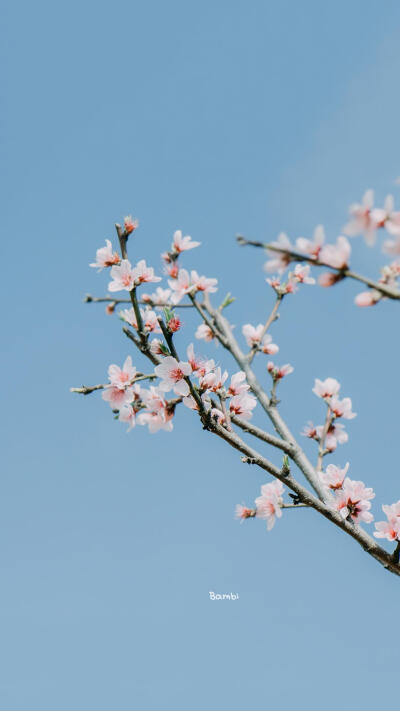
(217, 118)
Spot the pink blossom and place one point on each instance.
(156, 347)
(243, 512)
(174, 324)
(326, 388)
(218, 415)
(269, 504)
(301, 274)
(336, 435)
(328, 279)
(159, 298)
(238, 383)
(204, 332)
(243, 405)
(130, 225)
(333, 477)
(213, 380)
(267, 346)
(387, 217)
(180, 286)
(157, 415)
(361, 219)
(182, 244)
(389, 529)
(149, 318)
(128, 414)
(123, 277)
(353, 501)
(252, 334)
(172, 270)
(143, 274)
(279, 261)
(279, 371)
(336, 255)
(190, 402)
(194, 361)
(105, 257)
(368, 298)
(309, 431)
(121, 377)
(312, 247)
(118, 397)
(342, 408)
(172, 374)
(202, 283)
(390, 246)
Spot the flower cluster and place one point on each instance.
(332, 432)
(268, 505)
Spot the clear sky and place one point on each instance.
(216, 118)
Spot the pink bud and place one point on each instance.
(366, 298)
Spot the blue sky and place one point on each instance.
(216, 119)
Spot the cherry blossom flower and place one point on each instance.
(218, 415)
(342, 408)
(368, 298)
(149, 318)
(242, 512)
(238, 383)
(390, 246)
(252, 334)
(333, 477)
(128, 414)
(105, 257)
(301, 274)
(123, 277)
(328, 279)
(326, 388)
(157, 347)
(144, 274)
(336, 435)
(130, 225)
(157, 415)
(180, 286)
(172, 374)
(269, 504)
(182, 244)
(353, 501)
(336, 255)
(117, 397)
(190, 402)
(194, 361)
(310, 431)
(389, 529)
(121, 377)
(279, 371)
(267, 346)
(159, 298)
(204, 332)
(172, 270)
(243, 405)
(386, 217)
(214, 380)
(361, 219)
(202, 283)
(312, 247)
(279, 261)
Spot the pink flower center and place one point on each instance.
(176, 374)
